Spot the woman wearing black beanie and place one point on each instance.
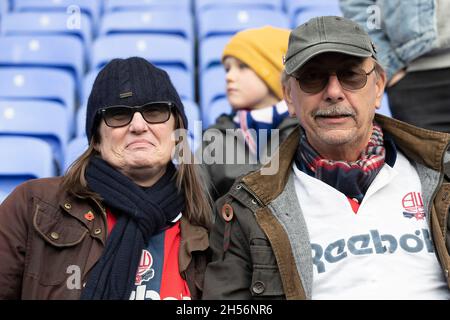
(124, 222)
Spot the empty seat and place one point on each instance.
(41, 119)
(161, 50)
(88, 82)
(228, 21)
(3, 194)
(211, 50)
(75, 148)
(47, 23)
(159, 21)
(215, 110)
(212, 87)
(203, 5)
(294, 7)
(4, 8)
(182, 81)
(118, 5)
(27, 158)
(192, 111)
(71, 7)
(62, 52)
(81, 121)
(315, 11)
(39, 84)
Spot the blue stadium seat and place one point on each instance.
(88, 82)
(70, 7)
(17, 166)
(212, 87)
(118, 5)
(159, 21)
(182, 81)
(316, 11)
(215, 110)
(45, 120)
(4, 8)
(203, 5)
(75, 148)
(38, 84)
(211, 51)
(228, 21)
(294, 7)
(3, 194)
(47, 23)
(81, 121)
(192, 111)
(162, 50)
(62, 52)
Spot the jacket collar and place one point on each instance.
(423, 146)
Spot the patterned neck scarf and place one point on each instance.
(266, 118)
(351, 178)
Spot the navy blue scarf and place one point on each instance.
(141, 213)
(260, 119)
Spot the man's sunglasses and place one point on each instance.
(153, 113)
(314, 80)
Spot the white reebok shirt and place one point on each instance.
(384, 251)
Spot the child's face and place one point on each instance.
(245, 90)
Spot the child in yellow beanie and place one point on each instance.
(253, 62)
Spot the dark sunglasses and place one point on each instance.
(152, 112)
(314, 80)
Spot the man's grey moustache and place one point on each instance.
(334, 112)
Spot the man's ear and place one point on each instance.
(287, 94)
(380, 86)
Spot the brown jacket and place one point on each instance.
(46, 235)
(257, 261)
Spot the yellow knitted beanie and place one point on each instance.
(262, 49)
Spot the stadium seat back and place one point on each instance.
(228, 21)
(61, 52)
(17, 167)
(125, 5)
(159, 21)
(44, 120)
(203, 5)
(38, 84)
(161, 50)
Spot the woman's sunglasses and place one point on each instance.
(152, 112)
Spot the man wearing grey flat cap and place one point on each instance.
(359, 208)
